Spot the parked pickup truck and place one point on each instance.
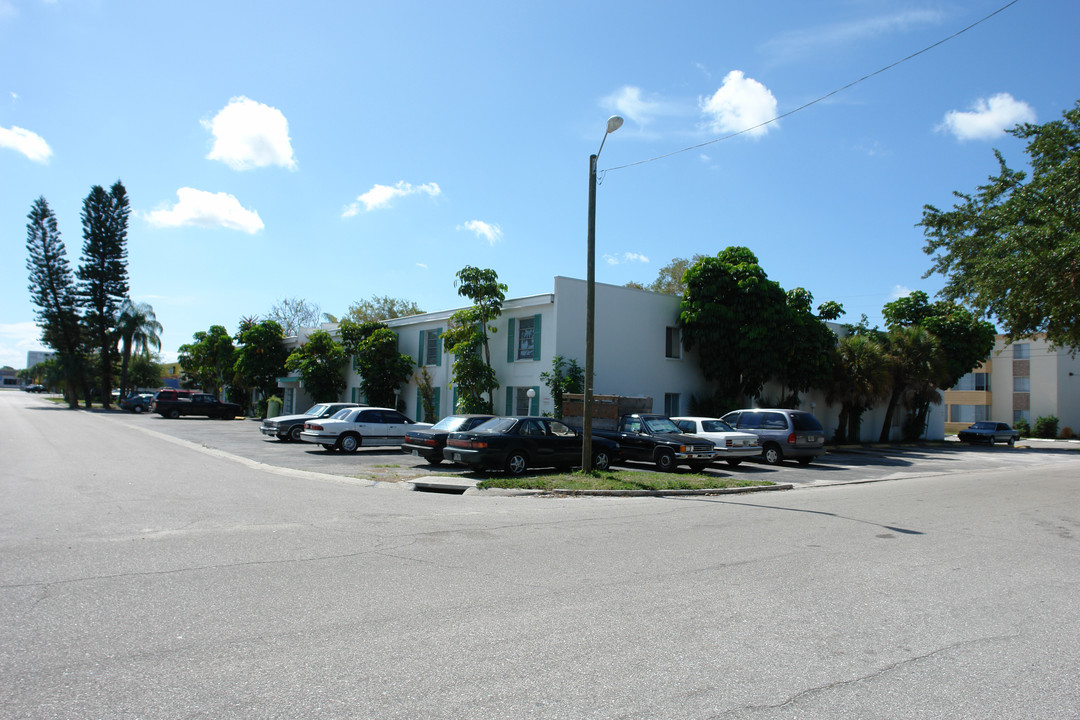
(656, 439)
(197, 404)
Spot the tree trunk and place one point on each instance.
(894, 400)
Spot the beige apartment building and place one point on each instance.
(1026, 379)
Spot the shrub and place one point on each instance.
(1067, 433)
(1022, 427)
(1046, 426)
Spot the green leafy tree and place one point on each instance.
(260, 355)
(209, 361)
(808, 346)
(374, 349)
(137, 330)
(319, 362)
(1012, 249)
(103, 277)
(53, 292)
(467, 338)
(736, 316)
(566, 376)
(670, 279)
(145, 371)
(916, 366)
(382, 308)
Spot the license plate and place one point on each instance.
(457, 457)
(416, 453)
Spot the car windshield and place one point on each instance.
(496, 425)
(716, 426)
(341, 414)
(661, 425)
(317, 409)
(805, 421)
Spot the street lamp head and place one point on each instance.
(613, 123)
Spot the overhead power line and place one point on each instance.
(789, 113)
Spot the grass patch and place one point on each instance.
(617, 480)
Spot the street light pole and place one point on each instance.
(614, 123)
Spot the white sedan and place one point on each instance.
(732, 446)
(353, 428)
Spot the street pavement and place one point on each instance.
(146, 576)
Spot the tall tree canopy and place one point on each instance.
(670, 278)
(137, 330)
(103, 277)
(467, 338)
(382, 308)
(294, 313)
(1012, 249)
(53, 292)
(374, 349)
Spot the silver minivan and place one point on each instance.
(783, 433)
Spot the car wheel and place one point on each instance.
(174, 414)
(516, 463)
(665, 460)
(294, 433)
(772, 454)
(601, 460)
(805, 461)
(1012, 442)
(349, 443)
(137, 409)
(329, 447)
(733, 461)
(433, 459)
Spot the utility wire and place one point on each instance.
(789, 113)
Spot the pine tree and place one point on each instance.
(103, 278)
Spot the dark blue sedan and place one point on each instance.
(515, 444)
(989, 433)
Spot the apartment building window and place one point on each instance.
(672, 344)
(967, 413)
(973, 381)
(1022, 384)
(431, 347)
(671, 404)
(1021, 351)
(1024, 415)
(523, 338)
(518, 401)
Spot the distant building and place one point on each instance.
(8, 377)
(1024, 380)
(35, 357)
(170, 375)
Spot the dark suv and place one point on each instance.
(783, 433)
(170, 394)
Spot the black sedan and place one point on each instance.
(989, 433)
(514, 444)
(428, 443)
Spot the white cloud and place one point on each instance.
(26, 142)
(628, 102)
(899, 291)
(487, 231)
(796, 44)
(740, 104)
(627, 257)
(15, 340)
(988, 119)
(206, 209)
(248, 134)
(380, 196)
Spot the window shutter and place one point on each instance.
(420, 355)
(536, 343)
(509, 401)
(510, 339)
(419, 406)
(438, 404)
(534, 404)
(438, 352)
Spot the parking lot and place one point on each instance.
(242, 438)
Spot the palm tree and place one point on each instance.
(137, 331)
(861, 379)
(914, 359)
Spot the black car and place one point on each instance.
(34, 388)
(289, 427)
(989, 433)
(514, 444)
(428, 443)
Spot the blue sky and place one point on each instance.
(334, 151)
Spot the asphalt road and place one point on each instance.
(142, 577)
